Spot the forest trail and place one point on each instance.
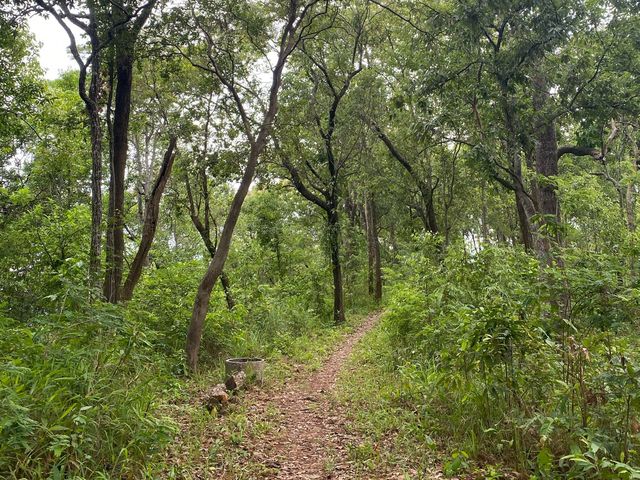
(311, 439)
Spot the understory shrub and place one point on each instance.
(78, 396)
(532, 367)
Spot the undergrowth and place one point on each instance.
(218, 443)
(87, 388)
(477, 357)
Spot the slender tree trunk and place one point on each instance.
(375, 271)
(370, 259)
(96, 196)
(333, 225)
(141, 186)
(526, 235)
(151, 214)
(226, 287)
(524, 205)
(630, 194)
(95, 127)
(115, 223)
(92, 107)
(224, 278)
(203, 295)
(630, 208)
(288, 43)
(484, 215)
(205, 233)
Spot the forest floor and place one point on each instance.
(312, 438)
(300, 428)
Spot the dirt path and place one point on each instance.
(310, 440)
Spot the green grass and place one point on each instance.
(391, 434)
(395, 434)
(215, 444)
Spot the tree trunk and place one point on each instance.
(91, 101)
(546, 164)
(333, 225)
(115, 223)
(288, 43)
(203, 295)
(630, 194)
(427, 197)
(95, 126)
(484, 219)
(524, 204)
(526, 236)
(370, 255)
(226, 287)
(151, 214)
(375, 271)
(96, 197)
(224, 279)
(205, 233)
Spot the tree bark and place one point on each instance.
(526, 236)
(151, 214)
(524, 204)
(205, 233)
(203, 295)
(91, 101)
(226, 287)
(124, 46)
(115, 222)
(333, 225)
(375, 271)
(630, 194)
(484, 212)
(546, 165)
(93, 111)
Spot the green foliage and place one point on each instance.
(79, 396)
(21, 88)
(490, 366)
(502, 359)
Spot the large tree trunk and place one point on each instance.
(375, 271)
(115, 222)
(333, 225)
(546, 164)
(151, 214)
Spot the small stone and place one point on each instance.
(217, 397)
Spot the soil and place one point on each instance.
(311, 439)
